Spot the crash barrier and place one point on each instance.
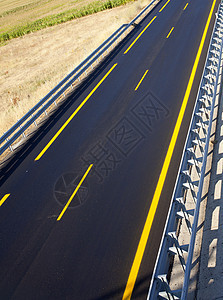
(190, 178)
(10, 139)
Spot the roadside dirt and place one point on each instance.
(32, 65)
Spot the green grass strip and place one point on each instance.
(69, 15)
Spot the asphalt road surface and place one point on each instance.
(76, 197)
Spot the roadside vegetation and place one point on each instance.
(28, 26)
(31, 65)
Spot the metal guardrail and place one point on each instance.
(193, 161)
(40, 108)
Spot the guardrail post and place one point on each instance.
(23, 132)
(184, 213)
(35, 123)
(190, 185)
(44, 110)
(165, 291)
(10, 147)
(176, 249)
(198, 141)
(194, 161)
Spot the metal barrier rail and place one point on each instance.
(194, 158)
(20, 127)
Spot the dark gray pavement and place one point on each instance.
(125, 135)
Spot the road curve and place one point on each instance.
(74, 200)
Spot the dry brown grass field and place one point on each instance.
(32, 65)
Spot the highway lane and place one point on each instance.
(125, 134)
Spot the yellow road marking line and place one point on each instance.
(186, 6)
(4, 198)
(149, 220)
(74, 193)
(170, 32)
(126, 51)
(164, 6)
(73, 114)
(141, 80)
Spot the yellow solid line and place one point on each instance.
(126, 51)
(141, 80)
(170, 32)
(4, 198)
(74, 113)
(164, 6)
(74, 193)
(149, 220)
(186, 6)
